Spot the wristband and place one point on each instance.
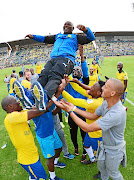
(70, 112)
(74, 108)
(54, 98)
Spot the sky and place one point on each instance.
(21, 17)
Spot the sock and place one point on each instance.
(52, 175)
(90, 153)
(56, 160)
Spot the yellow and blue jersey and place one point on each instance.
(38, 69)
(90, 105)
(93, 79)
(122, 77)
(96, 68)
(21, 137)
(26, 84)
(11, 85)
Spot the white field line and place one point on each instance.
(130, 101)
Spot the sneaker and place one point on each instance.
(56, 178)
(20, 94)
(83, 158)
(39, 96)
(60, 165)
(76, 152)
(97, 176)
(69, 156)
(86, 162)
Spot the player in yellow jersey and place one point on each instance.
(27, 80)
(38, 69)
(91, 139)
(96, 68)
(11, 84)
(22, 138)
(123, 77)
(93, 78)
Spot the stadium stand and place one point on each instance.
(28, 51)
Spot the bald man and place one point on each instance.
(112, 151)
(22, 139)
(62, 56)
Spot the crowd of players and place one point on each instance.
(83, 89)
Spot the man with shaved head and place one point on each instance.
(123, 77)
(112, 150)
(62, 56)
(22, 138)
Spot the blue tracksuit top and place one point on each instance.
(72, 91)
(66, 45)
(44, 124)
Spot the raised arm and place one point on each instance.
(67, 106)
(45, 39)
(82, 39)
(84, 86)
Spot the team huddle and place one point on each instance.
(94, 105)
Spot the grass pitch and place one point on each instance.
(9, 167)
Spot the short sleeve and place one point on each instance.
(110, 120)
(99, 110)
(18, 117)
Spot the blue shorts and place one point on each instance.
(49, 144)
(124, 97)
(36, 170)
(94, 142)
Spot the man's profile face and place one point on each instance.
(68, 27)
(106, 89)
(16, 105)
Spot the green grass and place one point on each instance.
(9, 167)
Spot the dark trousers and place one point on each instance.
(73, 132)
(53, 73)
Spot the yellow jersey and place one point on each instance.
(96, 68)
(90, 105)
(38, 69)
(26, 84)
(11, 84)
(122, 76)
(21, 137)
(93, 79)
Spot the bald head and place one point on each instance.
(120, 66)
(68, 27)
(112, 90)
(10, 104)
(117, 86)
(6, 101)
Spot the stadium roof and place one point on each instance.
(23, 42)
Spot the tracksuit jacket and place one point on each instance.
(66, 45)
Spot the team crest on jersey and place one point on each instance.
(89, 101)
(49, 155)
(69, 35)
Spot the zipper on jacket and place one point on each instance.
(59, 47)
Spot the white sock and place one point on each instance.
(56, 160)
(90, 153)
(52, 174)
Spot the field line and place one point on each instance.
(129, 101)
